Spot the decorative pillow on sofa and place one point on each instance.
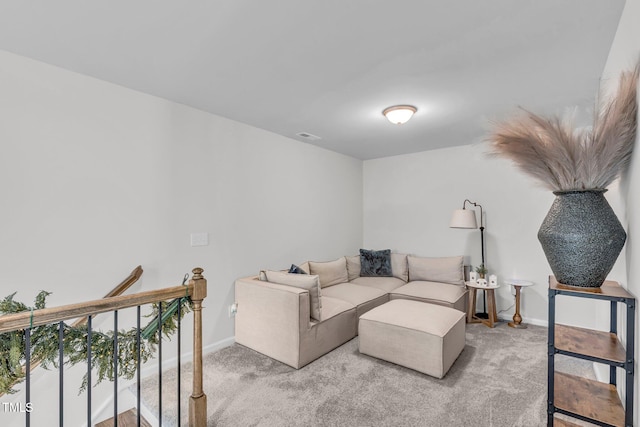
(305, 267)
(375, 263)
(446, 270)
(304, 281)
(399, 266)
(331, 273)
(294, 269)
(353, 266)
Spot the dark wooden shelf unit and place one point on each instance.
(579, 397)
(589, 398)
(601, 347)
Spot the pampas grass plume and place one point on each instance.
(564, 158)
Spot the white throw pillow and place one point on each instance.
(399, 266)
(303, 281)
(305, 266)
(331, 273)
(446, 270)
(353, 266)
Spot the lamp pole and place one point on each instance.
(484, 294)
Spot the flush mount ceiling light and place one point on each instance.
(399, 114)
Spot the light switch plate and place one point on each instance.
(199, 239)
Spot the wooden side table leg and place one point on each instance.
(491, 302)
(472, 305)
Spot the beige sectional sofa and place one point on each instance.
(276, 319)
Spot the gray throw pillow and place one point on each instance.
(294, 269)
(375, 263)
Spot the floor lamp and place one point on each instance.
(466, 218)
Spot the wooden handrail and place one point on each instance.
(118, 290)
(44, 316)
(8, 320)
(126, 283)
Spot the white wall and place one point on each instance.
(96, 179)
(408, 201)
(625, 52)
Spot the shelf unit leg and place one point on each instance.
(613, 328)
(629, 373)
(551, 362)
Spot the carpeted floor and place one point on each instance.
(500, 379)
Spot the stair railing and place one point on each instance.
(118, 290)
(195, 289)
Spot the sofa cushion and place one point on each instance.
(447, 269)
(433, 292)
(375, 263)
(399, 266)
(304, 281)
(333, 306)
(331, 273)
(386, 284)
(353, 294)
(353, 266)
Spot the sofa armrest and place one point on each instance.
(270, 318)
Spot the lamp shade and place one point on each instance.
(463, 218)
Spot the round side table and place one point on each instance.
(491, 304)
(518, 285)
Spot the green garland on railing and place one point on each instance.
(44, 343)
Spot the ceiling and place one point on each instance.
(330, 67)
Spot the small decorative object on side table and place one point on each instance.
(492, 316)
(518, 285)
(473, 276)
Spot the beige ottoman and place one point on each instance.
(417, 335)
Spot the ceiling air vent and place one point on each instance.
(308, 136)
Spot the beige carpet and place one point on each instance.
(500, 379)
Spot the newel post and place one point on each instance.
(198, 400)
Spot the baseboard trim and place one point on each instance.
(227, 342)
(527, 320)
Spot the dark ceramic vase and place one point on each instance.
(581, 237)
